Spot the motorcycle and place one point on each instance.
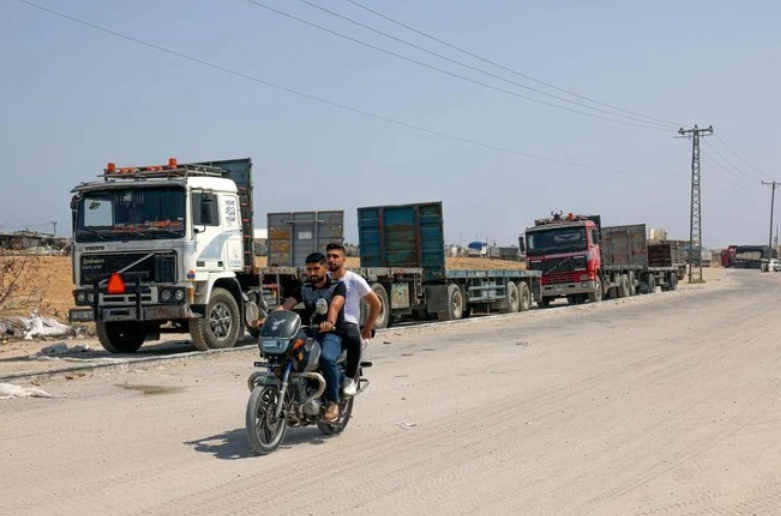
(288, 390)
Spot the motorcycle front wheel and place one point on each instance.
(264, 431)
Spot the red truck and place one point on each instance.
(580, 260)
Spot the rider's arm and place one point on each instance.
(292, 301)
(374, 311)
(334, 308)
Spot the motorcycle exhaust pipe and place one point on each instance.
(320, 385)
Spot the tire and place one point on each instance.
(512, 304)
(384, 317)
(632, 286)
(673, 282)
(345, 413)
(121, 337)
(525, 295)
(260, 412)
(221, 325)
(455, 304)
(596, 296)
(650, 284)
(623, 286)
(544, 302)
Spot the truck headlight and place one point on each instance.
(81, 297)
(165, 295)
(179, 295)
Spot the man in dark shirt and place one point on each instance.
(331, 325)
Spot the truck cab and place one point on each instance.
(163, 246)
(566, 250)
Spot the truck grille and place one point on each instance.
(574, 264)
(160, 268)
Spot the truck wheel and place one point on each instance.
(650, 285)
(623, 286)
(673, 281)
(632, 286)
(525, 296)
(121, 337)
(383, 318)
(513, 303)
(220, 327)
(455, 304)
(596, 296)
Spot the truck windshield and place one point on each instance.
(559, 240)
(131, 214)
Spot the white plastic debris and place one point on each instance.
(44, 327)
(406, 426)
(9, 391)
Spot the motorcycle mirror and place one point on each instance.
(321, 307)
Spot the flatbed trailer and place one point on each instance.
(403, 260)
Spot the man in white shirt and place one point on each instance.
(357, 289)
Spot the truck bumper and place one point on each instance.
(568, 289)
(130, 313)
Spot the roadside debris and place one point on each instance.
(9, 391)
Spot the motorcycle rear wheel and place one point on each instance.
(345, 412)
(264, 433)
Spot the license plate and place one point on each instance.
(81, 315)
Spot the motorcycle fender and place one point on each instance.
(262, 378)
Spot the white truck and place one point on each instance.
(166, 248)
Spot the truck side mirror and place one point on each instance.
(521, 245)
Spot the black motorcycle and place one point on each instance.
(288, 391)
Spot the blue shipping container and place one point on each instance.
(403, 236)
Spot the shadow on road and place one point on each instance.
(233, 445)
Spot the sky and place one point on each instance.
(73, 98)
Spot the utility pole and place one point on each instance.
(773, 186)
(695, 220)
(54, 223)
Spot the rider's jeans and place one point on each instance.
(331, 348)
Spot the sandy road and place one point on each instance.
(662, 405)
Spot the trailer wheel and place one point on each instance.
(383, 318)
(525, 296)
(513, 303)
(632, 286)
(455, 304)
(596, 296)
(673, 281)
(650, 284)
(623, 286)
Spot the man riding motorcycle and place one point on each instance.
(331, 326)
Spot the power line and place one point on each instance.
(730, 177)
(448, 72)
(468, 66)
(739, 156)
(335, 104)
(728, 162)
(506, 68)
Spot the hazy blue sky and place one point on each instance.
(72, 99)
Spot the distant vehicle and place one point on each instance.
(774, 265)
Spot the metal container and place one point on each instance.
(293, 236)
(667, 253)
(625, 246)
(408, 235)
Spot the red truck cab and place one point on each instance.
(566, 250)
